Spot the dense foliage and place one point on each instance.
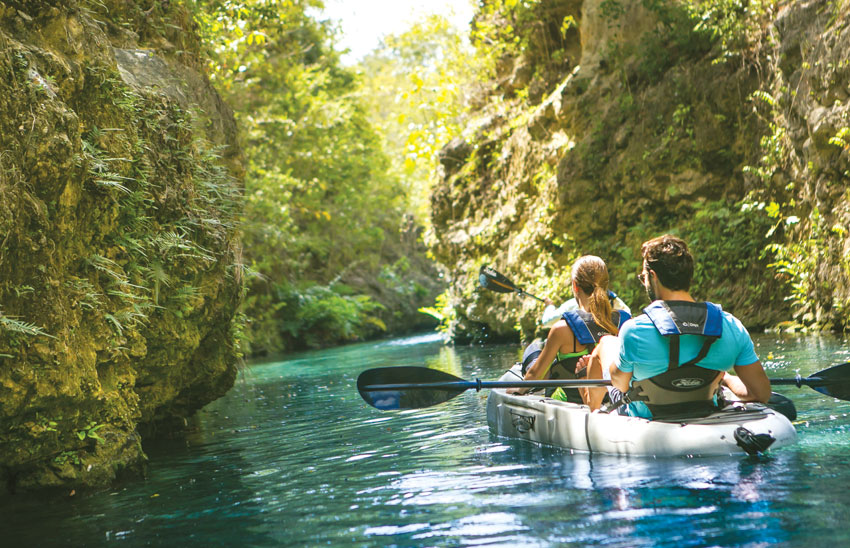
(614, 121)
(417, 86)
(119, 206)
(324, 220)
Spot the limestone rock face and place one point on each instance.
(648, 125)
(120, 183)
(810, 85)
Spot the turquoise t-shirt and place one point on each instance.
(644, 352)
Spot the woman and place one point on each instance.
(578, 331)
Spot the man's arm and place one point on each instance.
(751, 383)
(620, 379)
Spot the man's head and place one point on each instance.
(671, 261)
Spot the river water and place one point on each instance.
(293, 457)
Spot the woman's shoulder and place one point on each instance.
(560, 331)
(559, 327)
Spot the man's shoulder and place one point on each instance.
(641, 320)
(638, 323)
(732, 322)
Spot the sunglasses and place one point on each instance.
(643, 276)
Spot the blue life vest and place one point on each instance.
(675, 318)
(586, 330)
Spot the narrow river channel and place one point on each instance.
(293, 457)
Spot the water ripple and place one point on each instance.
(292, 456)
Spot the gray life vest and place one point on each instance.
(685, 390)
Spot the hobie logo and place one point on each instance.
(522, 423)
(688, 383)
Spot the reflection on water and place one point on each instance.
(293, 457)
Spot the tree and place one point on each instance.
(320, 199)
(417, 86)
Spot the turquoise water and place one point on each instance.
(293, 457)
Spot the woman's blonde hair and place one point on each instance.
(591, 275)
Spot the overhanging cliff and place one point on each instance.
(119, 266)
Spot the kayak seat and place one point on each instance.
(529, 356)
(688, 391)
(560, 371)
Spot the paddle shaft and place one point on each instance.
(411, 387)
(478, 384)
(521, 292)
(802, 381)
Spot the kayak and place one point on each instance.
(730, 431)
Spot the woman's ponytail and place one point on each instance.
(591, 276)
(600, 309)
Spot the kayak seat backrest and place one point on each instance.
(565, 370)
(686, 392)
(560, 370)
(529, 356)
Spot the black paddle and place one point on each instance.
(408, 387)
(492, 280)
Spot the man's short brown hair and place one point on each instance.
(670, 259)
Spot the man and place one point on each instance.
(678, 342)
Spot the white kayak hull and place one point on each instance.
(572, 426)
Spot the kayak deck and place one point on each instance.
(572, 426)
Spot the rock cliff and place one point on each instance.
(119, 279)
(617, 121)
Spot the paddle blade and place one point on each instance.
(409, 396)
(836, 381)
(783, 405)
(492, 280)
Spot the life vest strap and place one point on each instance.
(673, 361)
